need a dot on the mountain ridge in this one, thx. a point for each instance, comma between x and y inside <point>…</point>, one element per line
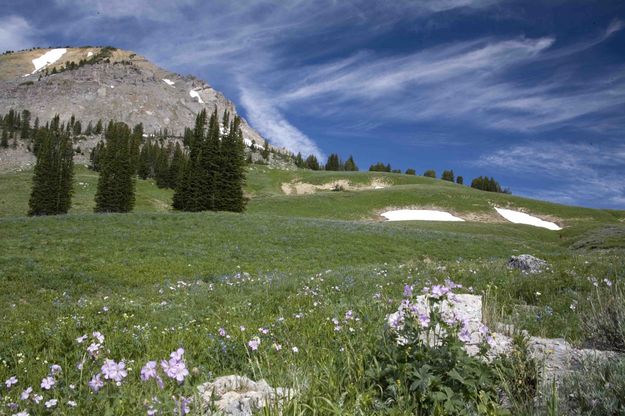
<point>107,83</point>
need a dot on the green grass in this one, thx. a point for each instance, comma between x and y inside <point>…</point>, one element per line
<point>317,255</point>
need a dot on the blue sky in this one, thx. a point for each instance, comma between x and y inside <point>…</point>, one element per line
<point>531,92</point>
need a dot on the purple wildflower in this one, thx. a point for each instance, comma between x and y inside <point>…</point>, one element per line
<point>465,335</point>
<point>254,343</point>
<point>26,393</point>
<point>182,405</point>
<point>424,320</point>
<point>82,339</point>
<point>408,290</point>
<point>97,335</point>
<point>55,369</point>
<point>149,370</point>
<point>222,332</point>
<point>395,320</point>
<point>177,355</point>
<point>51,403</point>
<point>10,382</point>
<point>114,371</point>
<point>175,369</point>
<point>37,398</point>
<point>47,383</point>
<point>96,383</point>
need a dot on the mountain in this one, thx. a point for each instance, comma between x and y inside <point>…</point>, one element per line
<point>106,83</point>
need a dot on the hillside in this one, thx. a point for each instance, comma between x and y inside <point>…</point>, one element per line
<point>110,84</point>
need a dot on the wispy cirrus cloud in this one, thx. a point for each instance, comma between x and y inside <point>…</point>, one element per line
<point>578,171</point>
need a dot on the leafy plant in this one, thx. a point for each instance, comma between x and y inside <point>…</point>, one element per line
<point>422,364</point>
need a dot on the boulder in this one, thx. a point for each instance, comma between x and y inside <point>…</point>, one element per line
<point>236,395</point>
<point>527,263</point>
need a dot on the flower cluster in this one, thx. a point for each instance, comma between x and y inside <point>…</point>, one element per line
<point>174,368</point>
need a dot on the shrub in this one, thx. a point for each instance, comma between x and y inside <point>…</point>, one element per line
<point>604,320</point>
<point>422,367</point>
<point>599,389</point>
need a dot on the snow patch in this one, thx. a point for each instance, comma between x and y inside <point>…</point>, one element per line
<point>89,54</point>
<point>195,94</point>
<point>518,217</point>
<point>48,58</point>
<point>419,215</point>
<point>247,142</point>
<point>169,82</point>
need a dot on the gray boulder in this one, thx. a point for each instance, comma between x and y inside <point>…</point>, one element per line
<point>239,396</point>
<point>527,263</point>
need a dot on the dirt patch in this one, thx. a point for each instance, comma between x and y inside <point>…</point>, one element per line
<point>303,188</point>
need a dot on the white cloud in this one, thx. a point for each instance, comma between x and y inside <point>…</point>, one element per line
<point>157,10</point>
<point>264,116</point>
<point>582,172</point>
<point>15,33</point>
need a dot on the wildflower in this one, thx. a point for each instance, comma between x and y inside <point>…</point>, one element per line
<point>254,343</point>
<point>222,332</point>
<point>295,349</point>
<point>264,331</point>
<point>51,403</point>
<point>22,413</point>
<point>538,293</point>
<point>424,320</point>
<point>608,282</point>
<point>10,382</point>
<point>71,403</point>
<point>177,355</point>
<point>483,329</point>
<point>47,383</point>
<point>276,346</point>
<point>395,320</point>
<point>148,371</point>
<point>93,349</point>
<point>96,383</point>
<point>82,339</point>
<point>37,398</point>
<point>439,291</point>
<point>97,335</point>
<point>465,335</point>
<point>114,371</point>
<point>408,290</point>
<point>242,328</point>
<point>491,341</point>
<point>182,406</point>
<point>55,369</point>
<point>573,305</point>
<point>175,369</point>
<point>26,393</point>
<point>349,315</point>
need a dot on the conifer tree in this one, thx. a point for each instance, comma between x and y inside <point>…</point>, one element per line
<point>448,175</point>
<point>333,163</point>
<point>4,142</point>
<point>176,168</point>
<point>232,177</point>
<point>410,171</point>
<point>460,180</point>
<point>53,173</point>
<point>312,162</point>
<point>116,185</point>
<point>430,173</point>
<point>350,165</point>
<point>299,161</point>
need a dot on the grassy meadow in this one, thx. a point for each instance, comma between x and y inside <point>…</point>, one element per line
<point>311,276</point>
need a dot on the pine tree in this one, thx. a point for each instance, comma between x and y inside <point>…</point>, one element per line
<point>176,168</point>
<point>98,127</point>
<point>312,162</point>
<point>350,165</point>
<point>299,161</point>
<point>430,173</point>
<point>448,175</point>
<point>410,171</point>
<point>460,180</point>
<point>265,152</point>
<point>333,163</point>
<point>116,185</point>
<point>232,177</point>
<point>53,174</point>
<point>25,125</point>
<point>4,142</point>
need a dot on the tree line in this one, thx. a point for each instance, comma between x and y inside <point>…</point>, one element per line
<point>208,174</point>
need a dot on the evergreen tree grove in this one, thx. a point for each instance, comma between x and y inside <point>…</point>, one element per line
<point>116,185</point>
<point>54,172</point>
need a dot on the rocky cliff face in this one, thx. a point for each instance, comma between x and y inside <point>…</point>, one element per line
<point>118,85</point>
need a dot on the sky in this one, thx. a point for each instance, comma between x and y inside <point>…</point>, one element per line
<point>529,92</point>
